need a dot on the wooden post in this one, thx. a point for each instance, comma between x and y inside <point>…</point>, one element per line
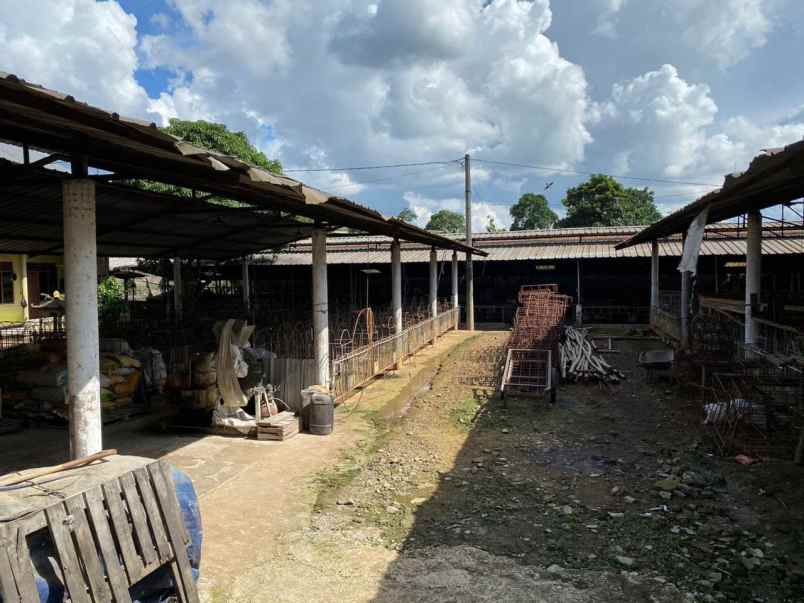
<point>654,277</point>
<point>455,287</point>
<point>178,296</point>
<point>578,303</point>
<point>753,274</point>
<point>434,289</point>
<point>246,288</point>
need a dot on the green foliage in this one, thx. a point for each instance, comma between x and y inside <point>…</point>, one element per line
<point>111,299</point>
<point>446,221</point>
<point>407,215</point>
<point>602,201</point>
<point>491,226</point>
<point>532,212</point>
<point>214,137</point>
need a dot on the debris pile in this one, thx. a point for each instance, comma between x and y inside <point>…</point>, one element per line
<point>580,359</point>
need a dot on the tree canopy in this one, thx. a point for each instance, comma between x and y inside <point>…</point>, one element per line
<point>446,221</point>
<point>217,137</point>
<point>531,212</point>
<point>407,215</point>
<point>602,201</point>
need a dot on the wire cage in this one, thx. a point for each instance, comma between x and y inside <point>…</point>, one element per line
<point>758,409</point>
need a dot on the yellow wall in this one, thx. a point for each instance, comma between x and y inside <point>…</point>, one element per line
<point>14,312</point>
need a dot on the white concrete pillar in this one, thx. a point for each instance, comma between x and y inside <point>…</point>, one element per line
<point>81,306</point>
<point>246,287</point>
<point>178,295</point>
<point>578,302</point>
<point>685,309</point>
<point>654,275</point>
<point>24,298</point>
<point>455,287</point>
<point>753,274</point>
<point>320,307</point>
<point>396,285</point>
<point>433,289</point>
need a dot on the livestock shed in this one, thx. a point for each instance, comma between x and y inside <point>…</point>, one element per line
<point>608,284</point>
<point>89,183</point>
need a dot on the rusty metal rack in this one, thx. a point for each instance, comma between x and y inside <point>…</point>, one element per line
<point>531,362</point>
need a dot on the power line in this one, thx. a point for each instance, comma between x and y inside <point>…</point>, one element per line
<point>579,173</point>
<point>373,167</point>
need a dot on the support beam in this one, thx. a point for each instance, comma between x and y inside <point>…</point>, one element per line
<point>396,298</point>
<point>178,295</point>
<point>753,274</point>
<point>246,287</point>
<point>26,302</point>
<point>470,282</point>
<point>320,307</point>
<point>455,287</point>
<point>81,305</point>
<point>654,275</point>
<point>433,288</point>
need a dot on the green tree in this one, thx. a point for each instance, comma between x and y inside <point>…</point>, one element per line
<point>111,298</point>
<point>532,212</point>
<point>491,226</point>
<point>446,221</point>
<point>602,201</point>
<point>407,215</point>
<point>214,137</point>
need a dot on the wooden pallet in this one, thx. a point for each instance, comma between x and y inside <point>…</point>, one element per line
<point>280,427</point>
<point>105,539</point>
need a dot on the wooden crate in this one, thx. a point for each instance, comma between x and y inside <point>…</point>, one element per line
<point>280,427</point>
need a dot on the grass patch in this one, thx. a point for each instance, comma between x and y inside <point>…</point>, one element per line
<point>466,412</point>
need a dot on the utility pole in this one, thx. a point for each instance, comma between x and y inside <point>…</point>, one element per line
<point>470,285</point>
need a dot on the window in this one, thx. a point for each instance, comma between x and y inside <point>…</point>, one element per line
<point>6,283</point>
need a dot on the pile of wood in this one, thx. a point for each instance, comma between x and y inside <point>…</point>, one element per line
<point>581,361</point>
<point>279,427</point>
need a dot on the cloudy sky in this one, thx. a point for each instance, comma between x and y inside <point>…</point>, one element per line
<point>678,92</point>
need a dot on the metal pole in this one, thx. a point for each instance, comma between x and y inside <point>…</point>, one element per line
<point>685,309</point>
<point>81,289</point>
<point>320,307</point>
<point>396,297</point>
<point>470,284</point>
<point>246,287</point>
<point>753,274</point>
<point>455,286</point>
<point>578,304</point>
<point>433,288</point>
<point>178,297</point>
<point>654,275</point>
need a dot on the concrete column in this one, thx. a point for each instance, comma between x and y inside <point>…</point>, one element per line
<point>246,287</point>
<point>685,310</point>
<point>320,307</point>
<point>81,306</point>
<point>433,289</point>
<point>178,295</point>
<point>396,285</point>
<point>455,286</point>
<point>753,274</point>
<point>654,275</point>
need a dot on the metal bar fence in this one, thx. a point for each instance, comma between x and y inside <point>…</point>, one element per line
<point>358,368</point>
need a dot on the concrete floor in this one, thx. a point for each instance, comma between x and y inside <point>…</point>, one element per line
<point>249,491</point>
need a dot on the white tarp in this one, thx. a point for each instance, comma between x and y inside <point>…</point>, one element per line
<point>692,244</point>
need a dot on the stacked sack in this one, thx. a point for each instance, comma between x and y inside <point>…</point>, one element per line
<point>120,378</point>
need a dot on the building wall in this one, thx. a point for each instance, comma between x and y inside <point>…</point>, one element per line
<point>17,311</point>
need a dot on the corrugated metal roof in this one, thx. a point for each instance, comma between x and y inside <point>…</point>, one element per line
<point>376,250</point>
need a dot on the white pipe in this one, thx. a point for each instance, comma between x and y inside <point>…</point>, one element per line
<point>753,273</point>
<point>396,285</point>
<point>320,307</point>
<point>433,283</point>
<point>470,280</point>
<point>81,306</point>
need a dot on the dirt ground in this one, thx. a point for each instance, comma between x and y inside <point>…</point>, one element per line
<point>434,489</point>
<point>610,495</point>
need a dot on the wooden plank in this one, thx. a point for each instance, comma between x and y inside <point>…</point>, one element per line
<point>88,550</point>
<point>154,517</point>
<point>166,497</point>
<point>137,512</point>
<point>8,583</point>
<point>23,569</point>
<point>57,523</point>
<point>122,529</point>
<point>102,529</point>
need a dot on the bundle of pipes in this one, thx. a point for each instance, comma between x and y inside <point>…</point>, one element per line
<point>580,360</point>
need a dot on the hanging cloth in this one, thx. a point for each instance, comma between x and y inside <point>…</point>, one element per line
<point>692,244</point>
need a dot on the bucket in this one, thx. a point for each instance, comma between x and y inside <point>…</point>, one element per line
<point>321,414</point>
